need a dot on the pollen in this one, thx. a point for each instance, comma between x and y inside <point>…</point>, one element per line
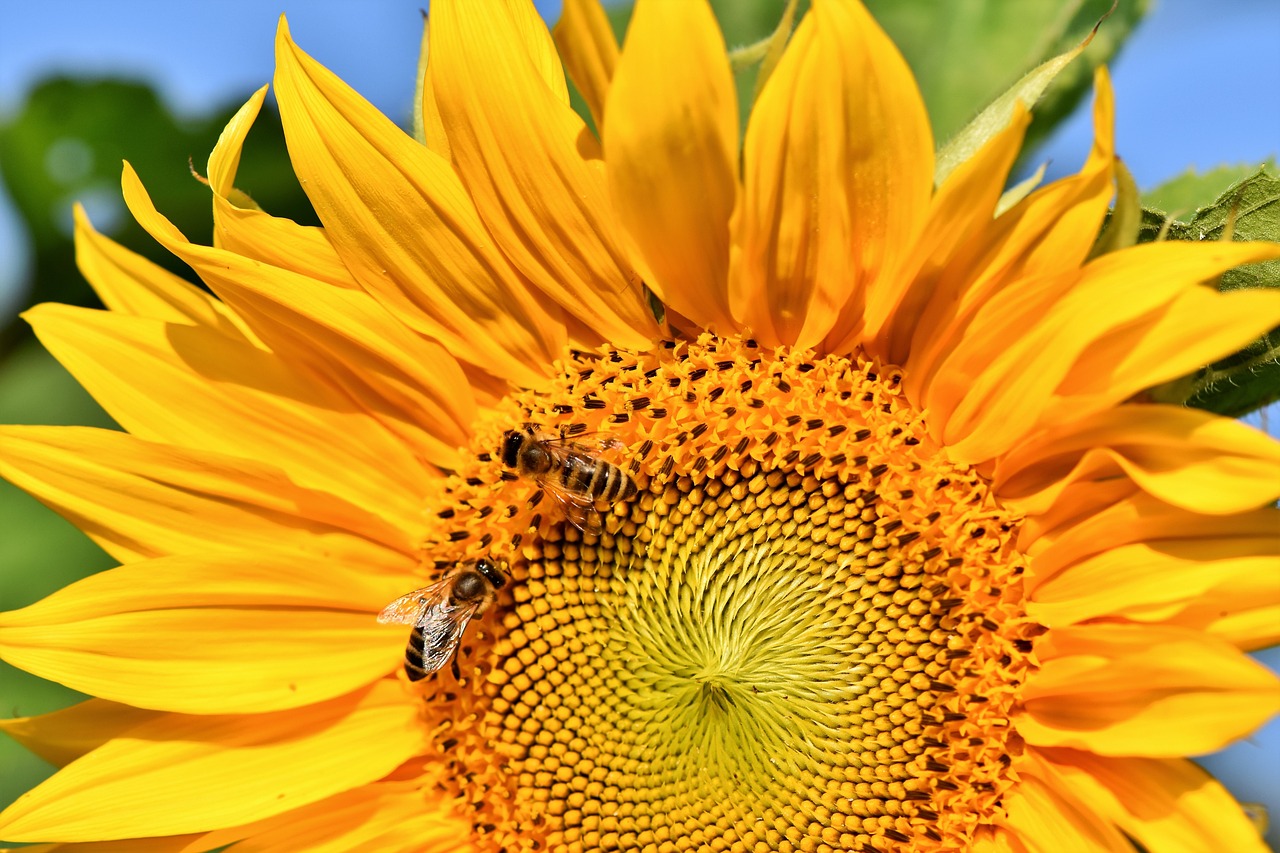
<point>803,633</point>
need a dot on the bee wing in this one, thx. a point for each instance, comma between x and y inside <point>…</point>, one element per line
<point>578,509</point>
<point>409,608</point>
<point>598,444</point>
<point>442,628</point>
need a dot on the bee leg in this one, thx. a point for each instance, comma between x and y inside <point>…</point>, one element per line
<point>453,666</point>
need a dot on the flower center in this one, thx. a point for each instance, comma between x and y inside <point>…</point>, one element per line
<point>803,632</point>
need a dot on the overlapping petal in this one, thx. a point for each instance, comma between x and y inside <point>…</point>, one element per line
<point>403,224</point>
<point>1048,232</point>
<point>1236,574</point>
<point>240,226</point>
<point>130,284</point>
<point>183,774</point>
<point>1195,329</point>
<point>1187,458</point>
<point>959,215</point>
<point>62,736</point>
<point>1163,804</point>
<point>334,335</point>
<point>1116,689</point>
<point>219,634</point>
<point>140,499</point>
<point>1091,524</point>
<point>1048,820</point>
<point>544,200</point>
<point>673,125</point>
<point>385,816</point>
<point>986,397</point>
<point>192,381</point>
<point>163,844</point>
<point>589,51</point>
<point>837,174</point>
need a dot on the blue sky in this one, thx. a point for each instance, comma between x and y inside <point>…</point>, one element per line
<point>1194,87</point>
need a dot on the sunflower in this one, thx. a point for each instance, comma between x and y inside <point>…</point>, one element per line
<point>910,565</point>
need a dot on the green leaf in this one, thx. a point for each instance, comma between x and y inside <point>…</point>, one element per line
<point>1182,196</point>
<point>997,115</point>
<point>1250,208</point>
<point>969,53</point>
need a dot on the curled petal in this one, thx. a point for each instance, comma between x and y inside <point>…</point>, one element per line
<point>1119,689</point>
<point>1187,458</point>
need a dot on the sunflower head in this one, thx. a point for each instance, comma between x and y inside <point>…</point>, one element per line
<point>773,493</point>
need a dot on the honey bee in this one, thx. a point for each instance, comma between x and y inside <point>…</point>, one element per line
<point>439,614</point>
<point>571,472</point>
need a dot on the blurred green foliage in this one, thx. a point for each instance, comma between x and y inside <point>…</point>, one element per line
<point>68,142</point>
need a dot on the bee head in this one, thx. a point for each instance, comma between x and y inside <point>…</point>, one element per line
<point>491,573</point>
<point>512,442</point>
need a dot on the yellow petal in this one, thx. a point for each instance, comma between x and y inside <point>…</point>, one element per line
<point>191,656</point>
<point>838,171</point>
<point>192,385</point>
<point>403,224</point>
<point>1165,580</point>
<point>1163,804</point>
<point>362,819</point>
<point>1051,821</point>
<point>63,736</point>
<point>959,213</point>
<point>1094,523</point>
<point>544,199</point>
<point>1198,327</point>
<point>1144,690</point>
<point>589,50</point>
<point>252,232</point>
<point>163,844</point>
<point>1248,619</point>
<point>139,499</point>
<point>1047,233</point>
<point>130,284</point>
<point>229,633</point>
<point>1185,457</point>
<point>998,839</point>
<point>529,35</point>
<point>412,385</point>
<point>671,146</point>
<point>183,774</point>
<point>225,159</point>
<point>427,111</point>
<point>990,395</point>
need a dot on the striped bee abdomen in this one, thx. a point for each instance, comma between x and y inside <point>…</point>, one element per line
<point>414,652</point>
